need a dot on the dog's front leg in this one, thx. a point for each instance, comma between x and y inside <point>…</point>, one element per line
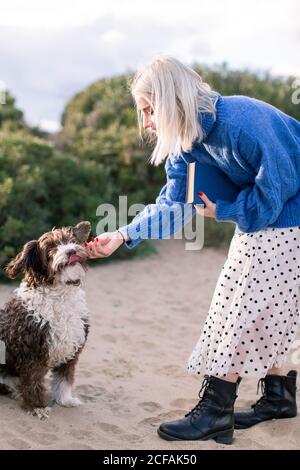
<point>33,392</point>
<point>62,383</point>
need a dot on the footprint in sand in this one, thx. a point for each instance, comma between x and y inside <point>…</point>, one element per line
<point>18,444</point>
<point>131,438</point>
<point>22,426</point>
<point>87,374</point>
<point>183,403</point>
<point>153,421</point>
<point>150,406</point>
<point>44,438</point>
<point>89,393</point>
<point>110,428</point>
<point>117,374</point>
<point>166,416</point>
<point>81,434</point>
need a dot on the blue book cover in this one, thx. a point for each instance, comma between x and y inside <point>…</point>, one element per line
<point>211,181</point>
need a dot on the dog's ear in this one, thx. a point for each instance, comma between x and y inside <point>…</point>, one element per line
<point>26,259</point>
<point>82,231</point>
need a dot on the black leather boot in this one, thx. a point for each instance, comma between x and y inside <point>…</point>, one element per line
<point>278,401</point>
<point>211,418</point>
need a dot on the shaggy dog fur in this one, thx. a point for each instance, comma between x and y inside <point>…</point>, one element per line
<point>45,324</point>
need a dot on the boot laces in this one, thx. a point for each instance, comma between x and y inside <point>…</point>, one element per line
<point>197,409</point>
<point>262,386</point>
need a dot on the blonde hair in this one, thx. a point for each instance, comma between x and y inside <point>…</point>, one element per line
<point>177,94</point>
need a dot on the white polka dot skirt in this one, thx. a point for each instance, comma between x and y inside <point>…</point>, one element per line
<point>254,312</point>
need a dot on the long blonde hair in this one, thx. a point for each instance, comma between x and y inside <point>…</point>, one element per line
<point>177,94</point>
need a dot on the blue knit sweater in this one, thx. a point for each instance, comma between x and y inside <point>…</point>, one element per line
<point>258,147</point>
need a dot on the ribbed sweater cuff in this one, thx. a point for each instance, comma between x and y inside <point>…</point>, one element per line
<point>130,243</point>
<point>226,211</point>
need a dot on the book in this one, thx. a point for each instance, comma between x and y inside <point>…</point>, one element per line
<point>211,181</point>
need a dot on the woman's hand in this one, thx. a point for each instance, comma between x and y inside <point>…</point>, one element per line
<point>104,245</point>
<point>209,210</point>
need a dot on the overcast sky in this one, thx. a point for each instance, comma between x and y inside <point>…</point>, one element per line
<point>51,49</point>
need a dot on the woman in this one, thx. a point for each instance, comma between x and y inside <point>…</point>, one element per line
<point>253,316</point>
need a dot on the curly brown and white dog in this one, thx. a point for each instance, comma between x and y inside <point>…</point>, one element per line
<point>44,325</point>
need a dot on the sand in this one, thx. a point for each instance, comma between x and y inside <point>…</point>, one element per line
<point>146,316</point>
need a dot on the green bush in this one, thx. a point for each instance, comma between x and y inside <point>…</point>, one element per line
<point>11,118</point>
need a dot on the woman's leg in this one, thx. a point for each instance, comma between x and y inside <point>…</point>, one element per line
<point>231,378</point>
<point>277,371</point>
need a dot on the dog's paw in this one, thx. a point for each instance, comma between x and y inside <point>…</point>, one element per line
<point>69,402</point>
<point>41,413</point>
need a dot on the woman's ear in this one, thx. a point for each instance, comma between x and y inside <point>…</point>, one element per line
<point>82,231</point>
<point>26,259</point>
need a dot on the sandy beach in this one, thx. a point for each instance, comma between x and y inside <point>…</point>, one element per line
<point>146,316</point>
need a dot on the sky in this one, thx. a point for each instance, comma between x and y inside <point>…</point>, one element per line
<point>52,49</point>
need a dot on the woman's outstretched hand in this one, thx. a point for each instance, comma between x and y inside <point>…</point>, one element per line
<point>209,210</point>
<point>104,245</point>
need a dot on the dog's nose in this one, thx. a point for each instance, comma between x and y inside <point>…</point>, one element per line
<point>71,252</point>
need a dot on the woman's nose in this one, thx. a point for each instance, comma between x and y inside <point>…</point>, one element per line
<point>146,122</point>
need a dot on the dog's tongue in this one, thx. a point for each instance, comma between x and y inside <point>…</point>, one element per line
<point>74,258</point>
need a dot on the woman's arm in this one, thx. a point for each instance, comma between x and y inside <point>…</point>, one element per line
<point>169,213</point>
<point>157,221</point>
<point>277,180</point>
